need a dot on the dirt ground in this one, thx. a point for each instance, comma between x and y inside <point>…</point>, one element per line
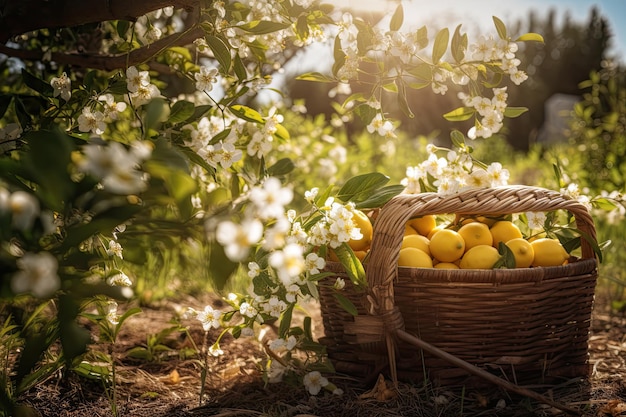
<point>171,386</point>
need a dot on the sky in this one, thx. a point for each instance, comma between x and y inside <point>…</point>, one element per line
<point>476,14</point>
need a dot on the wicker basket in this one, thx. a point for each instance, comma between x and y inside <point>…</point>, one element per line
<point>527,325</point>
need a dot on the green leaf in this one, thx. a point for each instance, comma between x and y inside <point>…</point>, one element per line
<point>507,258</point>
<point>604,204</point>
<point>282,167</point>
<point>261,27</point>
<point>351,264</point>
<point>36,84</point>
<point>530,37</point>
<point>346,304</point>
<point>458,46</point>
<point>122,27</point>
<point>23,115</point>
<point>380,197</point>
<point>357,188</point>
<point>460,114</point>
<point>421,38</point>
<point>5,101</point>
<point>513,112</point>
<point>220,51</point>
<point>403,101</point>
<point>118,87</point>
<point>240,68</point>
<point>495,81</point>
<point>338,55</point>
<point>500,28</point>
<point>365,112</point>
<point>558,174</point>
<point>441,44</point>
<point>285,322</point>
<point>282,132</point>
<point>90,371</point>
<point>302,26</point>
<point>220,267</point>
<point>181,111</point>
<point>392,87</point>
<point>247,113</point>
<point>422,71</point>
<point>458,139</point>
<point>32,352</point>
<point>315,76</point>
<point>157,112</point>
<point>104,222</point>
<point>397,19</point>
<point>49,159</point>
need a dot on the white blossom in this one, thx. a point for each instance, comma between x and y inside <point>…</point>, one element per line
<point>37,274</point>
<point>314,382</point>
<point>62,86</point>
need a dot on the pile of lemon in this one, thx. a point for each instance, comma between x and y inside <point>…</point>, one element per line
<point>471,245</point>
<point>474,245</point>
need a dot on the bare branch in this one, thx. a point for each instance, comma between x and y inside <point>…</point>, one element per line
<point>21,16</point>
<point>109,62</point>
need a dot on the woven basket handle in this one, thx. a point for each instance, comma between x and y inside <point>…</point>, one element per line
<point>390,224</point>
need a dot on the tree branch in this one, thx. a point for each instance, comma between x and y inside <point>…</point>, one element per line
<point>21,16</point>
<point>109,62</point>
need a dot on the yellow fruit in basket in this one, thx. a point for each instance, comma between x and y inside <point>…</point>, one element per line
<point>447,245</point>
<point>423,225</point>
<point>414,258</point>
<point>523,252</point>
<point>446,265</point>
<point>548,252</point>
<point>475,234</point>
<point>416,241</point>
<point>435,230</point>
<point>503,231</point>
<point>363,222</point>
<point>480,257</point>
<point>408,230</point>
<point>489,221</point>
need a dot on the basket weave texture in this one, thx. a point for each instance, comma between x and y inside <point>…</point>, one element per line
<point>527,325</point>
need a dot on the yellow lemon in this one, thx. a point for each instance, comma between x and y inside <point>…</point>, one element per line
<point>446,265</point>
<point>480,257</point>
<point>447,245</point>
<point>503,231</point>
<point>523,252</point>
<point>435,230</point>
<point>416,241</point>
<point>408,230</point>
<point>548,252</point>
<point>475,234</point>
<point>423,225</point>
<point>489,221</point>
<point>363,222</point>
<point>414,258</point>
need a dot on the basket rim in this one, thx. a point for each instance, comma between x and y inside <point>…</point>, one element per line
<point>487,276</point>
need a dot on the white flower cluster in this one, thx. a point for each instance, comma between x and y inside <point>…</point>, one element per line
<point>115,166</point>
<point>405,47</point>
<point>95,121</point>
<point>454,173</point>
<point>491,112</point>
<point>336,227</point>
<point>139,86</point>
